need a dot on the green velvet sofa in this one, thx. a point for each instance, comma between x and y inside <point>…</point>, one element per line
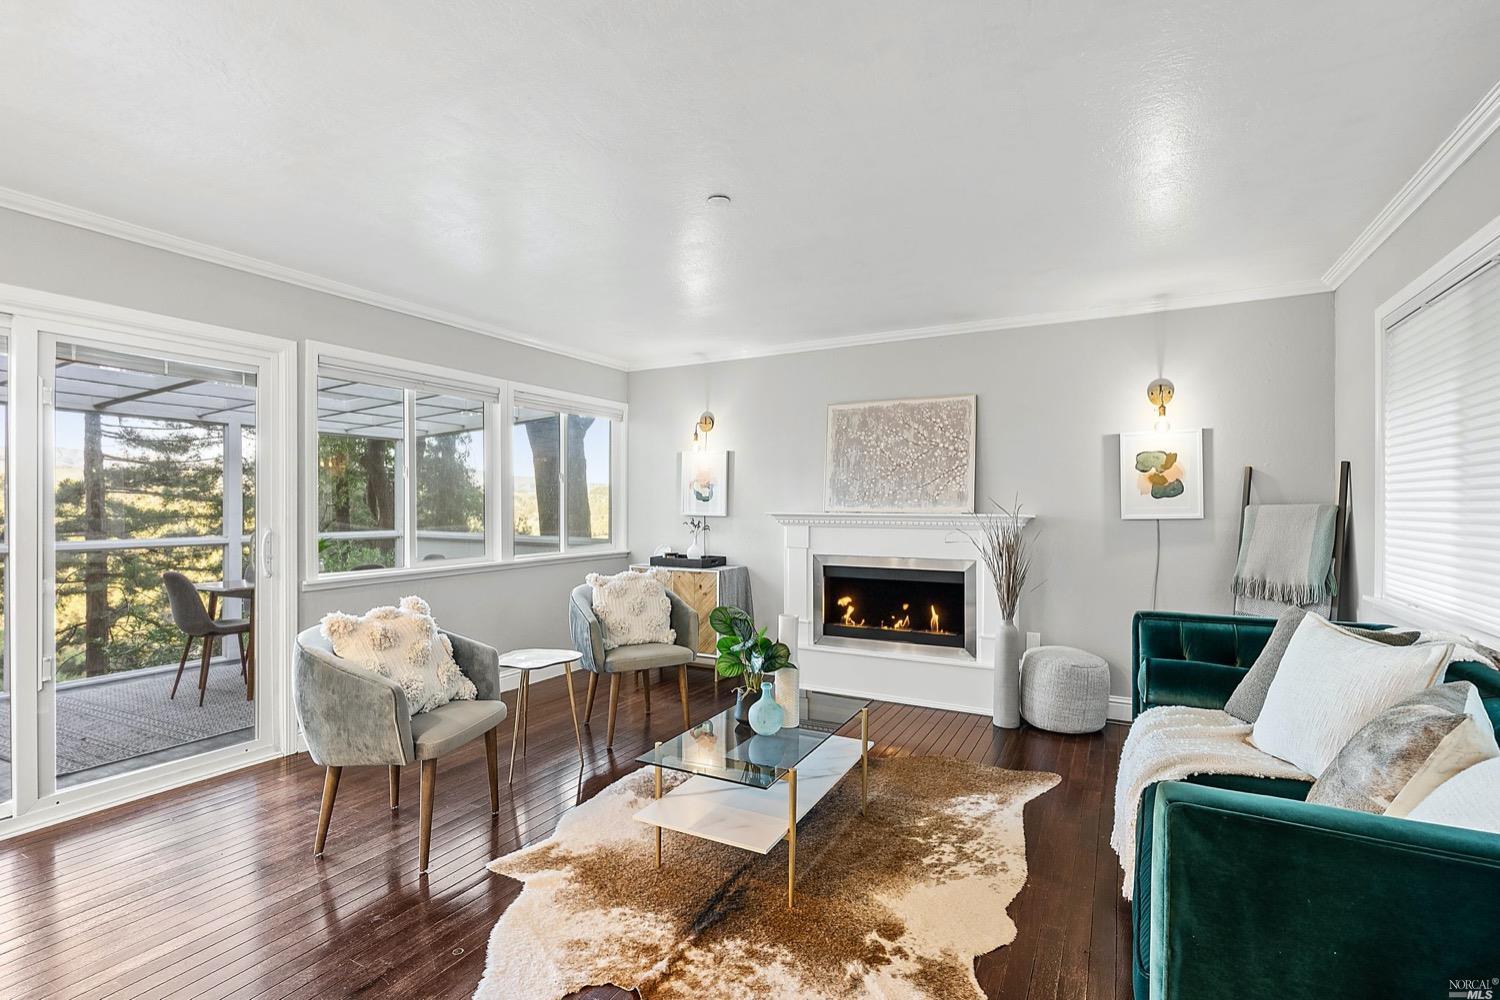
<point>1244,890</point>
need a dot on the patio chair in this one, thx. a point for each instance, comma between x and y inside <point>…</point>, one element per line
<point>352,716</point>
<point>193,619</point>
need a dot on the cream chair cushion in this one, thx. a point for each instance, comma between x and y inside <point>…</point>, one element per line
<point>404,644</point>
<point>632,607</point>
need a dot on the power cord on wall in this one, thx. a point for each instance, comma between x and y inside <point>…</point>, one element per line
<point>1156,572</point>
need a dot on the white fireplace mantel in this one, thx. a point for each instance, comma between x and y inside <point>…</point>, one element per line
<point>884,520</point>
<point>895,674</point>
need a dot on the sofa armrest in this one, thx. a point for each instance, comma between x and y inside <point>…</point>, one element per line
<point>684,622</point>
<point>480,664</point>
<point>350,716</point>
<point>1257,896</point>
<point>587,633</point>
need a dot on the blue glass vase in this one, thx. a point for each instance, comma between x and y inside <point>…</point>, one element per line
<point>765,714</point>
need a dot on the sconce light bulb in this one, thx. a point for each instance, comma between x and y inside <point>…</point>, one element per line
<point>1162,424</point>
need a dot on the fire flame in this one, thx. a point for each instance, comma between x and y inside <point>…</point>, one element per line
<point>903,623</point>
<point>895,623</point>
<point>847,603</point>
<point>932,623</point>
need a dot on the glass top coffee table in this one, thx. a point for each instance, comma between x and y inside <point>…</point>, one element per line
<point>748,790</point>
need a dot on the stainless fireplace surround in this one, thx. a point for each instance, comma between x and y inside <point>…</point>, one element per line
<point>966,566</point>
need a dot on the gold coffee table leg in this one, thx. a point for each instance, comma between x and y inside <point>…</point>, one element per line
<point>658,795</point>
<point>864,759</point>
<point>791,835</point>
<point>573,709</point>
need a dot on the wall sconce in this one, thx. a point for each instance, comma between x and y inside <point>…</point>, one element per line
<point>704,425</point>
<point>1160,394</point>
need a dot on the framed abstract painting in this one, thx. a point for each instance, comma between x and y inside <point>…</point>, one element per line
<point>704,483</point>
<point>1161,475</point>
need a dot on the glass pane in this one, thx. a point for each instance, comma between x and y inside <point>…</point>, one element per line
<point>588,480</point>
<point>731,751</point>
<point>142,453</point>
<point>450,477</point>
<point>6,755</point>
<point>360,431</point>
<point>536,471</point>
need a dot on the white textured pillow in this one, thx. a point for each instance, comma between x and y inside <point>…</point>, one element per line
<point>1330,683</point>
<point>404,644</point>
<point>1469,799</point>
<point>633,608</point>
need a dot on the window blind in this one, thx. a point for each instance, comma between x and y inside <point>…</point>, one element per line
<point>1441,430</point>
<point>541,399</point>
<point>371,374</point>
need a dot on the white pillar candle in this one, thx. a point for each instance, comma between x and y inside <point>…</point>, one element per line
<point>787,695</point>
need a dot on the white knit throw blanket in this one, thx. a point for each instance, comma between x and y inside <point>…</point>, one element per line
<point>1173,742</point>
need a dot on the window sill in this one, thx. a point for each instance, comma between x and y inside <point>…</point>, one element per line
<point>378,576</point>
<point>1410,616</point>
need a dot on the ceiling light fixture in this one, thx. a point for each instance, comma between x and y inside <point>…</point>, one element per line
<point>718,201</point>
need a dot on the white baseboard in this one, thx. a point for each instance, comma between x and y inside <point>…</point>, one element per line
<point>1119,708</point>
<point>916,702</point>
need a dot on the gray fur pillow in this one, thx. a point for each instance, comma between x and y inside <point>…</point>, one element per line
<point>1397,758</point>
<point>1249,696</point>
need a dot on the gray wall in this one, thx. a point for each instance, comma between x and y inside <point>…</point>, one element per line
<point>1463,205</point>
<point>507,607</point>
<point>1052,401</point>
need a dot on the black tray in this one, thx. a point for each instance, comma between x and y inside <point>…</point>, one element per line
<point>674,561</point>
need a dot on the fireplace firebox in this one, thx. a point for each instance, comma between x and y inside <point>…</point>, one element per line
<point>926,603</point>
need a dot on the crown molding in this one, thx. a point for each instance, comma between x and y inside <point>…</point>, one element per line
<point>45,208</point>
<point>1159,304</point>
<point>1478,125</point>
<point>875,519</point>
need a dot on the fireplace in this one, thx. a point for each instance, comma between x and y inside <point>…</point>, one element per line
<point>878,602</point>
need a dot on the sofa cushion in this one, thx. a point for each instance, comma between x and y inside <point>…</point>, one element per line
<point>404,644</point>
<point>1194,683</point>
<point>443,730</point>
<point>1405,752</point>
<point>1250,696</point>
<point>646,656</point>
<point>1330,683</point>
<point>1470,799</point>
<point>632,607</point>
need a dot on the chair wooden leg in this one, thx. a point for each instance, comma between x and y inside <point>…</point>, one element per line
<point>330,792</point>
<point>614,703</point>
<point>208,651</point>
<point>588,705</point>
<point>395,787</point>
<point>181,665</point>
<point>429,785</point>
<point>492,758</point>
<point>240,638</point>
<point>646,689</point>
<point>682,690</point>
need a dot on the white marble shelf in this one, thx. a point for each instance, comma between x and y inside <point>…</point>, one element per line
<point>744,816</point>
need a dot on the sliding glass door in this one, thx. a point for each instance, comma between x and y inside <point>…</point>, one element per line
<point>145,587</point>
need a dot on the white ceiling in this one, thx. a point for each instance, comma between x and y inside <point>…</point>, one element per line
<point>542,166</point>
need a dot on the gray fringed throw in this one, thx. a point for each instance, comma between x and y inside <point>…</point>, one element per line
<point>1286,553</point>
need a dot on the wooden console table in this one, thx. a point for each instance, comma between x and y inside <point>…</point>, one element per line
<point>705,589</point>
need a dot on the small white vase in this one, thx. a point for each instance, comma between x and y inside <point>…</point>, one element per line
<point>1009,645</point>
<point>695,551</point>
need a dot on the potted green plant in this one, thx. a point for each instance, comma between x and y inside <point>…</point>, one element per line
<point>744,651</point>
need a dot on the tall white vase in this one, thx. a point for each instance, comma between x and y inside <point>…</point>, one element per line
<point>1009,645</point>
<point>788,680</point>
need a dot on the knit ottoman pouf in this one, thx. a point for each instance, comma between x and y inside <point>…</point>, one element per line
<point>1064,690</point>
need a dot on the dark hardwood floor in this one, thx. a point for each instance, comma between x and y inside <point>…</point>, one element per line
<point>211,891</point>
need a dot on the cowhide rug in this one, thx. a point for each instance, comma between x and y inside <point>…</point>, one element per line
<point>893,904</point>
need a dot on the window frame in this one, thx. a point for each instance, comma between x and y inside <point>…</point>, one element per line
<point>499,502</point>
<point>1464,261</point>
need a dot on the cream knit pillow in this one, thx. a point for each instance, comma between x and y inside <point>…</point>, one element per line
<point>633,608</point>
<point>1330,683</point>
<point>404,644</point>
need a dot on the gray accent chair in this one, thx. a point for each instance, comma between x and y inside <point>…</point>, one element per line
<point>193,619</point>
<point>588,639</point>
<point>353,717</point>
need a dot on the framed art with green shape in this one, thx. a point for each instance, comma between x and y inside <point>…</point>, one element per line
<point>1161,475</point>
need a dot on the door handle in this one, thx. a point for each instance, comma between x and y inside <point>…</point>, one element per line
<point>265,553</point>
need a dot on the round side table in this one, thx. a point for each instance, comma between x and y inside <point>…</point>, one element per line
<point>524,661</point>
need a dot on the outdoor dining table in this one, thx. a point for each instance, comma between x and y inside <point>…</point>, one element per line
<point>243,590</point>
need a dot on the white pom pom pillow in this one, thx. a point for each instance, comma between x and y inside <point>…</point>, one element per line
<point>633,608</point>
<point>404,644</point>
